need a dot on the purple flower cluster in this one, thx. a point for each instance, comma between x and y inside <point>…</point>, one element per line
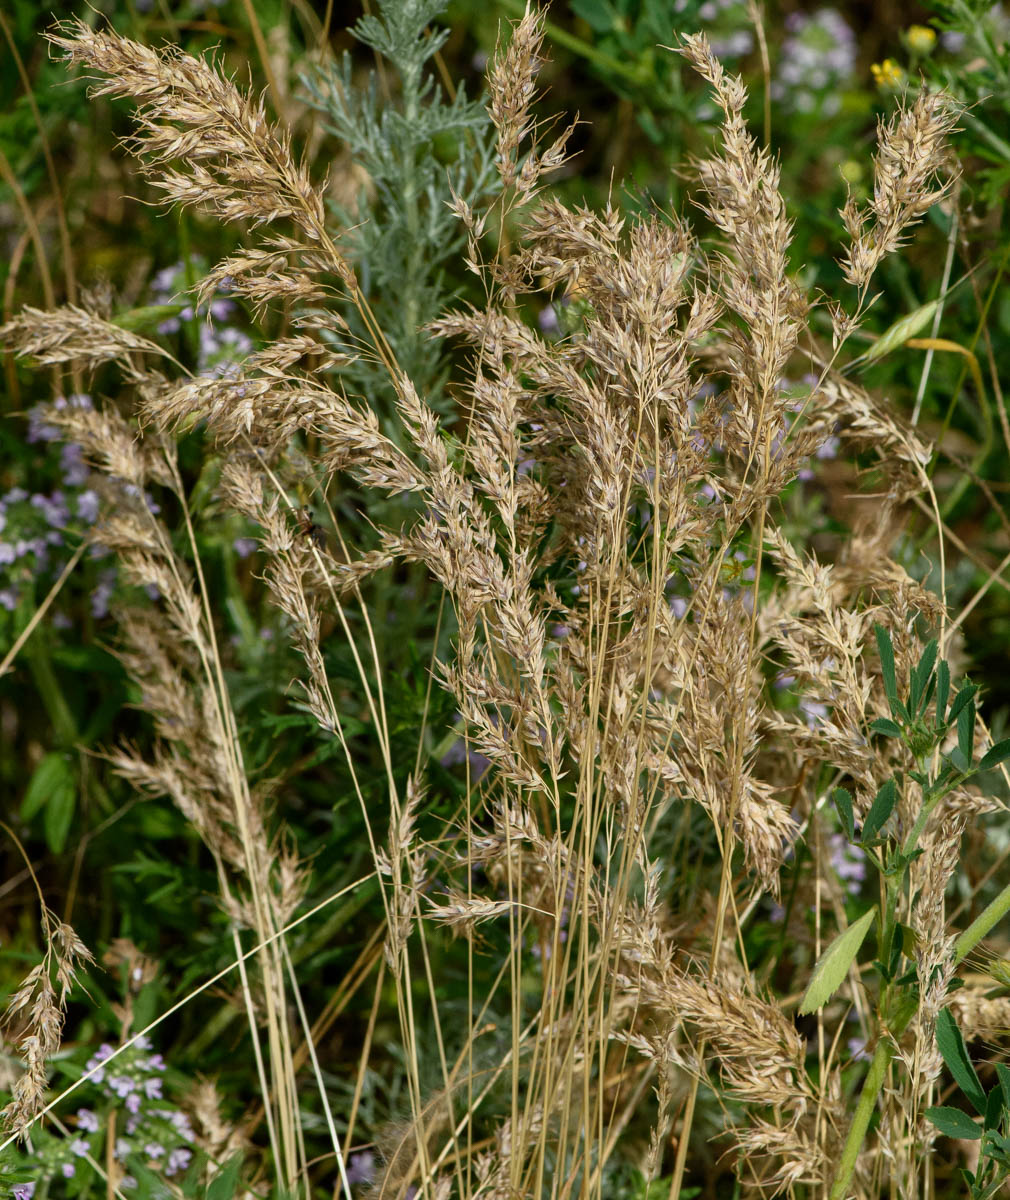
<point>134,1082</point>
<point>33,527</point>
<point>220,349</point>
<point>818,58</point>
<point>848,862</point>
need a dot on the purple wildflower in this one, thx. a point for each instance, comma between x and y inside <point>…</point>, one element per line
<point>361,1167</point>
<point>87,506</point>
<point>75,469</point>
<point>178,1160</point>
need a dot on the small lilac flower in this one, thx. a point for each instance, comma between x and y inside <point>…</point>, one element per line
<point>813,710</point>
<point>857,1048</point>
<point>244,546</point>
<point>15,495</point>
<point>143,1042</point>
<point>80,1147</point>
<point>849,866</point>
<point>8,599</point>
<point>164,280</point>
<point>87,506</point>
<point>123,1149</point>
<point>86,1119</point>
<point>460,752</point>
<point>180,1121</point>
<point>361,1167</point>
<point>156,1062</point>
<point>828,449</point>
<point>52,508</point>
<point>678,606</point>
<point>68,1170</point>
<point>75,469</point>
<point>38,430</point>
<point>102,594</point>
<point>122,1085</point>
<point>178,1160</point>
<point>7,553</point>
<point>23,1191</point>
<point>547,319</point>
<point>152,1088</point>
<point>133,1103</point>
<point>153,1150</point>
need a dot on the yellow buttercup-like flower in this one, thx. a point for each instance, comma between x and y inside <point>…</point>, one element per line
<point>888,74</point>
<point>920,39</point>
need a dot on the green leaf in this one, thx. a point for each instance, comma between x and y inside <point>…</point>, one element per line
<point>904,328</point>
<point>993,1108</point>
<point>959,761</point>
<point>53,788</point>
<point>843,802</point>
<point>885,726</point>
<point>59,817</point>
<point>886,651</point>
<point>920,675</point>
<point>223,1186</point>
<point>966,731</point>
<point>834,963</point>
<point>148,317</point>
<point>942,690</point>
<point>955,1055</point>
<point>995,755</point>
<point>50,772</point>
<point>601,18</point>
<point>954,1123</point>
<point>996,1146</point>
<point>1003,1071</point>
<point>964,696</point>
<point>881,808</point>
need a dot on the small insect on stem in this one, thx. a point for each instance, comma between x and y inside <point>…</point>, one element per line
<point>307,526</point>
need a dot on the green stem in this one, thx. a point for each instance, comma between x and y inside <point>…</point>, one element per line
<point>976,931</point>
<point>861,1117</point>
<point>983,923</point>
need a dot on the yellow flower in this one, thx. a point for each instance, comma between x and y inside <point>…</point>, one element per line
<point>920,39</point>
<point>888,74</point>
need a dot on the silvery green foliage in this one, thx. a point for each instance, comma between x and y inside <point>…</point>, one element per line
<point>417,148</point>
